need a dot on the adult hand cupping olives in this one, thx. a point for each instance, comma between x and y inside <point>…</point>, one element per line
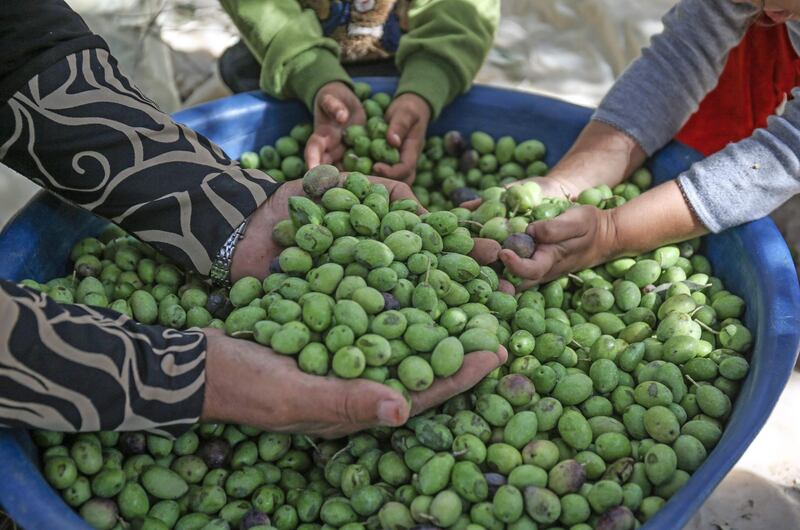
<point>255,252</point>
<point>249,384</point>
<point>408,118</point>
<point>335,108</point>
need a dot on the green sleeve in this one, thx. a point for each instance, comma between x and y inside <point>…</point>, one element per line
<point>297,60</point>
<point>446,44</point>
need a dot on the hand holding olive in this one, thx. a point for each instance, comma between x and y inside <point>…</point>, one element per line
<point>257,249</point>
<point>250,385</point>
<point>408,118</point>
<point>580,237</point>
<point>335,108</point>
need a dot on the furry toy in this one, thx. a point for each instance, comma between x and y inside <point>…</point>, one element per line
<point>366,30</point>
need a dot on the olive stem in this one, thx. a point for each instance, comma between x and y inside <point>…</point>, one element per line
<point>576,343</point>
<point>707,327</point>
<point>689,377</point>
<point>311,443</point>
<point>575,278</point>
<point>471,222</point>
<point>340,451</point>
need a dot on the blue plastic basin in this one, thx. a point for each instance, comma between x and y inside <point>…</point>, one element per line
<point>752,260</point>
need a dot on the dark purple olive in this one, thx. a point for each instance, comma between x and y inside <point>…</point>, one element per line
<point>390,302</point>
<point>275,266</point>
<point>468,160</point>
<point>566,477</point>
<point>495,480</point>
<point>616,518</point>
<point>522,245</point>
<point>462,195</point>
<point>253,518</point>
<point>132,443</point>
<point>215,453</point>
<point>454,143</point>
<point>516,389</point>
<point>219,305</point>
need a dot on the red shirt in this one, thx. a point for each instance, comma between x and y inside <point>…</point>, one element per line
<point>759,74</point>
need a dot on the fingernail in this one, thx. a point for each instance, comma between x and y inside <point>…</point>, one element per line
<point>390,412</point>
<point>396,138</point>
<point>502,354</point>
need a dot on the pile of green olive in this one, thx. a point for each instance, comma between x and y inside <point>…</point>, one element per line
<point>619,381</point>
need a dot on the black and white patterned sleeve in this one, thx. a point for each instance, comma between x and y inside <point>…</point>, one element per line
<point>82,130</point>
<point>73,368</point>
<point>73,123</point>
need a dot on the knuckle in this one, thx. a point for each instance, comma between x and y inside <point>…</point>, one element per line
<point>348,410</point>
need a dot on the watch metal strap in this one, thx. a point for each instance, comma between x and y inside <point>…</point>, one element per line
<point>220,273</point>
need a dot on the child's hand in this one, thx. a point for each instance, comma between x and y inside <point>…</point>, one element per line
<point>408,118</point>
<point>581,237</point>
<point>336,107</point>
<point>585,236</point>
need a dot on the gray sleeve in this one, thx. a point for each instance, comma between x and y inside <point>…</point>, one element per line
<point>656,95</point>
<point>750,178</point>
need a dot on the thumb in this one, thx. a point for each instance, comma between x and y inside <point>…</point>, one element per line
<point>362,402</point>
<point>572,223</point>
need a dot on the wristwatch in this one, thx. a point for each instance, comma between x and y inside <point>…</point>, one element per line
<point>220,273</point>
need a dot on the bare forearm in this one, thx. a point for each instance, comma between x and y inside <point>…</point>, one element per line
<point>600,155</point>
<point>659,217</point>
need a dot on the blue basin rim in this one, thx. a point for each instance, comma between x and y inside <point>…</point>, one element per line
<point>753,260</point>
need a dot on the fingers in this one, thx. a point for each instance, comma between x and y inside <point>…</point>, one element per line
<point>315,148</point>
<point>571,224</point>
<point>323,147</point>
<point>400,190</point>
<point>357,404</point>
<point>535,268</point>
<point>400,124</point>
<point>333,154</point>
<point>410,150</point>
<point>406,132</point>
<point>476,366</point>
<point>471,205</point>
<point>485,250</point>
<point>402,172</point>
<point>334,108</point>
